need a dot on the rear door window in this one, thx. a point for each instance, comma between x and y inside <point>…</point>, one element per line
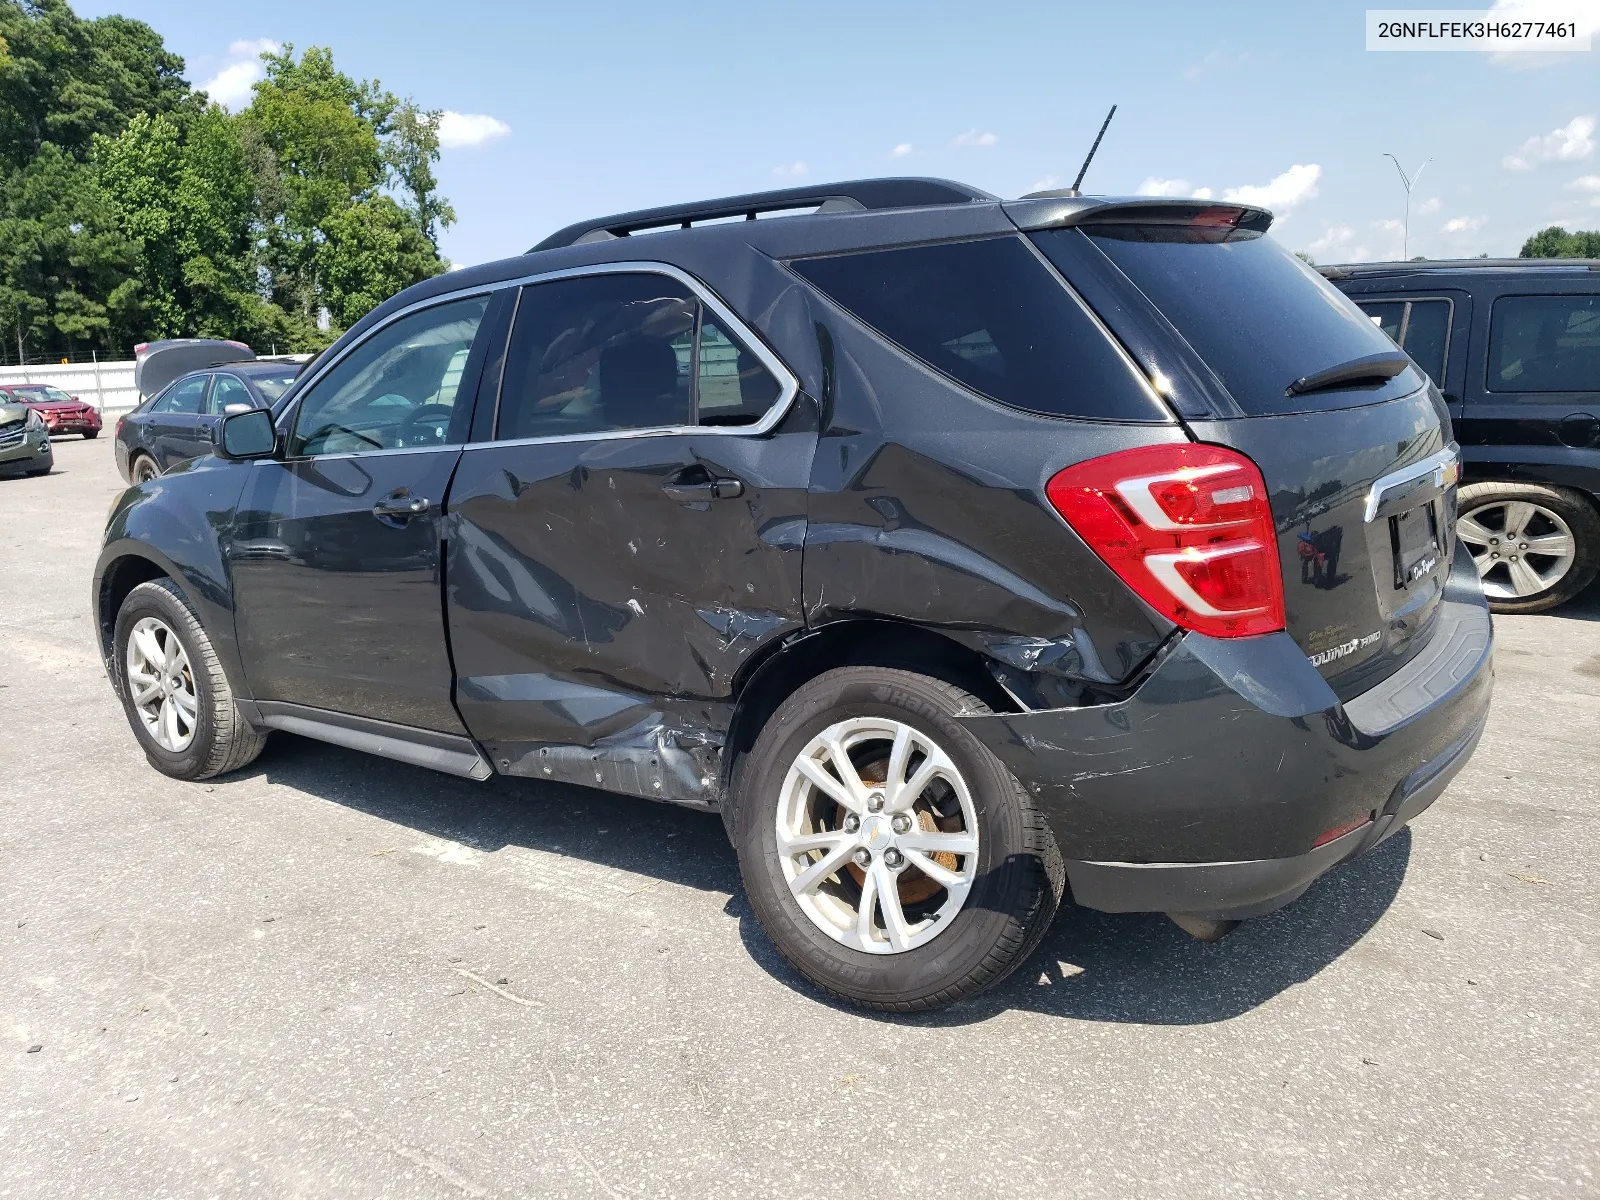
<point>993,317</point>
<point>1545,344</point>
<point>1258,316</point>
<point>185,396</point>
<point>1419,327</point>
<point>228,389</point>
<point>630,350</point>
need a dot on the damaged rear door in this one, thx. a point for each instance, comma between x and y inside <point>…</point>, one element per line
<point>630,535</point>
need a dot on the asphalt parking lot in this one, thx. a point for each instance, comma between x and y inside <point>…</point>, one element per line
<point>332,975</point>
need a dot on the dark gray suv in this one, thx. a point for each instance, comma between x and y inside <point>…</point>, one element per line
<point>956,551</point>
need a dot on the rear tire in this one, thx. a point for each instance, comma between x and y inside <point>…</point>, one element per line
<point>89,435</point>
<point>1504,525</point>
<point>177,700</point>
<point>143,469</point>
<point>947,940</point>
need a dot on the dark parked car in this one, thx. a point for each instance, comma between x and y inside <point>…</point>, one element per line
<point>24,440</point>
<point>1515,347</point>
<point>62,413</point>
<point>950,548</point>
<point>175,424</point>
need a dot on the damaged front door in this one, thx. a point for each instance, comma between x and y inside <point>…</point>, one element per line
<point>630,536</point>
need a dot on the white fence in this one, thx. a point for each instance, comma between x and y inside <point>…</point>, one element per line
<point>108,385</point>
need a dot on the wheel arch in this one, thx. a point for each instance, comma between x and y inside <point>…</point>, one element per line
<point>766,682</point>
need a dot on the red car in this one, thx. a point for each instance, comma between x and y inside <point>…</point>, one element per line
<point>62,413</point>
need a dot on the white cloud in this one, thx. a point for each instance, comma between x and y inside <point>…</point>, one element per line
<point>792,171</point>
<point>1171,187</point>
<point>231,86</point>
<point>973,137</point>
<point>1429,206</point>
<point>1048,184</point>
<point>1334,238</point>
<point>1572,142</point>
<point>1585,13</point>
<point>458,131</point>
<point>1283,192</point>
<point>1465,224</point>
<point>1590,184</point>
<point>901,150</point>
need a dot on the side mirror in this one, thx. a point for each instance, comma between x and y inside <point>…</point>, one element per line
<point>238,406</point>
<point>248,434</point>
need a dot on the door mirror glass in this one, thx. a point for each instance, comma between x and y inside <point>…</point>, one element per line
<point>247,434</point>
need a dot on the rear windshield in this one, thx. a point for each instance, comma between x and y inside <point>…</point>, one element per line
<point>1257,315</point>
<point>993,317</point>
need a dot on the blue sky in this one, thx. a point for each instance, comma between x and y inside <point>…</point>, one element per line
<point>563,111</point>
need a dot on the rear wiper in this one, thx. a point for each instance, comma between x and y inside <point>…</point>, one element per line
<point>1371,369</point>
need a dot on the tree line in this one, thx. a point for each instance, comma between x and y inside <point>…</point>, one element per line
<point>1556,242</point>
<point>133,208</point>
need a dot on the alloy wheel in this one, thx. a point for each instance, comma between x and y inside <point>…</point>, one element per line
<point>144,470</point>
<point>877,835</point>
<point>1520,548</point>
<point>162,684</point>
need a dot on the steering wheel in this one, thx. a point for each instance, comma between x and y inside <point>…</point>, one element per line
<point>438,415</point>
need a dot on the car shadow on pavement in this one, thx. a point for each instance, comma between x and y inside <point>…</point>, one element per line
<point>1140,968</point>
<point>1091,966</point>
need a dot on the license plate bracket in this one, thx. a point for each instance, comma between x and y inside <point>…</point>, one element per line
<point>1414,537</point>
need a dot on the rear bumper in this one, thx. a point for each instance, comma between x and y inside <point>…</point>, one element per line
<point>1206,791</point>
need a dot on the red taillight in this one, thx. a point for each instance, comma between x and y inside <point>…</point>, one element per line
<point>121,421</point>
<point>1187,527</point>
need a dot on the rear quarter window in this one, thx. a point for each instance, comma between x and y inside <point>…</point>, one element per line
<point>1545,344</point>
<point>993,317</point>
<point>1258,316</point>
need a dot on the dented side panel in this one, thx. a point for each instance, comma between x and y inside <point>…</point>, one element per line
<point>928,507</point>
<point>596,624</point>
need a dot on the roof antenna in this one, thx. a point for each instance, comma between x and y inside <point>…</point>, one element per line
<point>1076,183</point>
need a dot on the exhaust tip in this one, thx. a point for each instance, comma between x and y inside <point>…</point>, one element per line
<point>1203,929</point>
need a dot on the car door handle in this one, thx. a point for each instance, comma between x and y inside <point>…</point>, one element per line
<point>401,507</point>
<point>690,491</point>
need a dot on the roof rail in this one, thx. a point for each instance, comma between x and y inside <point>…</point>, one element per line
<point>1418,266</point>
<point>853,196</point>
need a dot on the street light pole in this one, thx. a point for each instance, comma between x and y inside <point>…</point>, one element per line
<point>1407,182</point>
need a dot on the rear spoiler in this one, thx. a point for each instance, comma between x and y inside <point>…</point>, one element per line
<point>1055,212</point>
<point>157,364</point>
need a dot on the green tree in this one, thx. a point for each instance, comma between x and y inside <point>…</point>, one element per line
<point>182,191</point>
<point>373,249</point>
<point>1556,242</point>
<point>327,146</point>
<point>68,277</point>
<point>132,208</point>
<point>66,79</point>
<point>410,150</point>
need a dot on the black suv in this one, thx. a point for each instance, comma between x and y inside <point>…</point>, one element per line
<point>955,550</point>
<point>1514,345</point>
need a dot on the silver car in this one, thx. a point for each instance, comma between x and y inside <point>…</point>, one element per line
<point>24,442</point>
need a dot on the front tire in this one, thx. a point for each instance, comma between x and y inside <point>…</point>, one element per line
<point>177,700</point>
<point>892,859</point>
<point>1535,546</point>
